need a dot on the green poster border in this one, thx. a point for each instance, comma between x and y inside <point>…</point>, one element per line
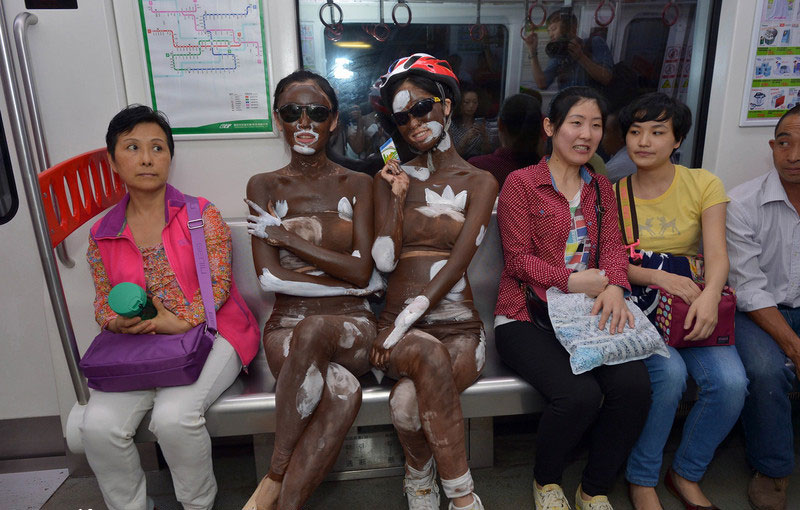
<point>247,126</point>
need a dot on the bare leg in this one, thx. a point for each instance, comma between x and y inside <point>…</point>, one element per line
<point>425,406</point>
<point>315,398</point>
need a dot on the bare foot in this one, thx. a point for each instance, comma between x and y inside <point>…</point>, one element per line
<point>690,491</point>
<point>265,496</point>
<point>644,498</point>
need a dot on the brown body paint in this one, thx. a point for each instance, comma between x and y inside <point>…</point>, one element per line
<point>433,225</point>
<point>315,346</point>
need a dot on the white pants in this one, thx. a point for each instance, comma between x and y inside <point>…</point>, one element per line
<point>178,422</point>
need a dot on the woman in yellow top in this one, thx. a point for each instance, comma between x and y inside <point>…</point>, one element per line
<point>677,208</point>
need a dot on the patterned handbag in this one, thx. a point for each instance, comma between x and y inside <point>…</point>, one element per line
<point>667,311</point>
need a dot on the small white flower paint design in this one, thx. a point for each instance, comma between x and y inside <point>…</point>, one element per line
<point>345,209</point>
<point>448,203</point>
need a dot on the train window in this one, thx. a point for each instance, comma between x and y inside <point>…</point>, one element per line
<point>623,49</point>
<point>9,202</point>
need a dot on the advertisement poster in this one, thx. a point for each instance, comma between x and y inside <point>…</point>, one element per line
<point>207,65</point>
<point>773,85</point>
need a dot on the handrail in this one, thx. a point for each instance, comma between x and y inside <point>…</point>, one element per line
<point>21,23</point>
<point>29,180</point>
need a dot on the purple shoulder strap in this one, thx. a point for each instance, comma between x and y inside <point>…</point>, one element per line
<point>195,225</point>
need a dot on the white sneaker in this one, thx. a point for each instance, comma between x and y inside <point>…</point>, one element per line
<point>596,503</point>
<point>476,505</point>
<point>550,497</point>
<point>422,494</point>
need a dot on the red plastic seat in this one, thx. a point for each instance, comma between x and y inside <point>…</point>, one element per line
<point>87,183</point>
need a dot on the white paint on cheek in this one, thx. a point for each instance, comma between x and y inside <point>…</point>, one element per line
<point>345,209</point>
<point>310,392</point>
<point>400,101</point>
<point>383,254</point>
<point>481,234</point>
<point>349,335</point>
<point>436,130</point>
<point>340,381</point>
<point>480,352</point>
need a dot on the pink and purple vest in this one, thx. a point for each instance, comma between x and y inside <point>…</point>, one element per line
<point>123,263</point>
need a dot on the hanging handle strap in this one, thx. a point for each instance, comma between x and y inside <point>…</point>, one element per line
<point>196,230</point>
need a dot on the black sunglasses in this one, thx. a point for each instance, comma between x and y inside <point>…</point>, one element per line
<point>420,109</point>
<point>291,112</point>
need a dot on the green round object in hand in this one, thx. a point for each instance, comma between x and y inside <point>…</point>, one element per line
<point>128,299</point>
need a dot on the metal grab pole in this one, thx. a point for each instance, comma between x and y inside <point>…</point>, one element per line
<point>21,23</point>
<point>31,185</point>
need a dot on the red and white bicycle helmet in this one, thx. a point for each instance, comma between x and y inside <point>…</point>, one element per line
<point>420,64</point>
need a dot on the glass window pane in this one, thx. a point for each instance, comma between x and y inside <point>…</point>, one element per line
<point>640,49</point>
<point>9,201</point>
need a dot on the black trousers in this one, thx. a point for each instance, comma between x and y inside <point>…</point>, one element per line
<point>610,403</point>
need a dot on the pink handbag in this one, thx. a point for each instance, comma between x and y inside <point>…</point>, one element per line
<point>671,313</point>
<point>125,362</point>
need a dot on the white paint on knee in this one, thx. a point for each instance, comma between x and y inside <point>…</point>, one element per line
<point>345,209</point>
<point>404,407</point>
<point>340,381</point>
<point>481,234</point>
<point>383,254</point>
<point>480,352</point>
<point>310,392</point>
<point>400,101</point>
<point>349,335</point>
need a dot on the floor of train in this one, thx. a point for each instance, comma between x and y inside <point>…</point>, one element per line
<point>507,485</point>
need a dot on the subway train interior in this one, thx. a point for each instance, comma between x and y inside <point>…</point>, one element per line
<point>68,66</point>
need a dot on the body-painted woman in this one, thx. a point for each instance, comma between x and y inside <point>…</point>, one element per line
<point>431,214</point>
<point>312,228</point>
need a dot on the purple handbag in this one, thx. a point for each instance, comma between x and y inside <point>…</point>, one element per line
<point>126,362</point>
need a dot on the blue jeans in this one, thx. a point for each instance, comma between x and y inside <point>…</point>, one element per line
<point>767,414</point>
<point>722,385</point>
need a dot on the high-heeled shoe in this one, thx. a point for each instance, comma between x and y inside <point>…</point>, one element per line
<point>251,503</point>
<point>669,482</point>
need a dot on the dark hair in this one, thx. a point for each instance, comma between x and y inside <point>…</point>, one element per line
<point>659,107</point>
<point>130,117</point>
<point>301,75</point>
<point>466,88</point>
<point>560,16</point>
<point>795,110</point>
<point>521,117</point>
<point>569,97</point>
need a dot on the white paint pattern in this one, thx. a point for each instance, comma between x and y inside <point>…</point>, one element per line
<point>481,235</point>
<point>340,381</point>
<point>436,130</point>
<point>383,254</point>
<point>448,203</point>
<point>307,227</point>
<point>480,352</point>
<point>417,172</point>
<point>445,144</point>
<point>460,285</point>
<point>302,147</point>
<point>271,283</point>
<point>404,406</point>
<point>345,209</point>
<point>405,319</point>
<point>349,335</point>
<point>309,393</point>
<point>401,100</point>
